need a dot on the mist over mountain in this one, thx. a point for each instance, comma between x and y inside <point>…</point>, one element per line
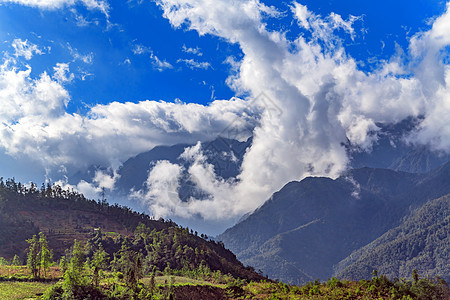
<point>307,227</point>
<point>221,159</point>
<point>393,150</point>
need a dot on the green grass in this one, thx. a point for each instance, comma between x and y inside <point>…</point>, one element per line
<point>22,290</point>
<point>178,280</point>
<point>21,272</point>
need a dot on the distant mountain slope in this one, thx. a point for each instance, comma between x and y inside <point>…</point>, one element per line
<point>421,242</point>
<point>224,154</point>
<point>309,226</point>
<point>390,151</point>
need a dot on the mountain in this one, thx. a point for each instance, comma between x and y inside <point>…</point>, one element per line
<point>224,154</point>
<point>421,242</point>
<point>392,151</point>
<point>307,227</point>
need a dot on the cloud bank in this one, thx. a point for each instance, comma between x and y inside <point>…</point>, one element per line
<point>311,100</point>
<point>34,122</point>
<point>325,101</point>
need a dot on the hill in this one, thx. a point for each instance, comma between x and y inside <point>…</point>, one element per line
<point>421,242</point>
<point>64,216</point>
<point>307,227</point>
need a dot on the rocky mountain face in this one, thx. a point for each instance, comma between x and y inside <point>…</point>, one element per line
<point>309,227</point>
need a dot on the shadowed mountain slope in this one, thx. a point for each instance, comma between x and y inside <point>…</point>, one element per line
<point>309,226</point>
<point>421,242</point>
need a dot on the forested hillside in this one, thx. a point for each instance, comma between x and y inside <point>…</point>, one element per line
<point>64,216</point>
<point>421,242</point>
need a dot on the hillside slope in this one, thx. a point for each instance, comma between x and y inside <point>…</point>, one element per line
<point>309,226</point>
<point>64,216</point>
<point>421,242</point>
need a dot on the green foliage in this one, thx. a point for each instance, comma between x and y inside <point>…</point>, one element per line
<point>3,261</point>
<point>419,243</point>
<point>45,253</point>
<point>98,263</point>
<point>33,257</point>
<point>63,264</point>
<point>16,261</point>
<point>17,290</point>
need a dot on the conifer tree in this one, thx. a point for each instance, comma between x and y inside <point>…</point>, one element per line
<point>33,257</point>
<point>99,262</point>
<point>45,253</point>
<point>16,260</point>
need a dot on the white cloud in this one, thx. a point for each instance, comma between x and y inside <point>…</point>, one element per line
<point>192,64</point>
<point>100,5</point>
<point>34,122</point>
<point>76,56</point>
<point>162,195</point>
<point>25,49</point>
<point>324,99</point>
<point>62,73</point>
<point>195,51</point>
<point>158,64</point>
<point>314,98</point>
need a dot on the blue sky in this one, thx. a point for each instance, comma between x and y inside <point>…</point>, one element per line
<point>76,75</point>
<point>115,73</point>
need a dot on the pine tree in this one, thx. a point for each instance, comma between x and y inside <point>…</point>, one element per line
<point>16,261</point>
<point>77,261</point>
<point>45,253</point>
<point>99,262</point>
<point>33,257</point>
<point>63,264</point>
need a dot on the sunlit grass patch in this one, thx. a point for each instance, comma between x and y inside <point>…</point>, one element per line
<point>12,290</point>
<point>21,272</point>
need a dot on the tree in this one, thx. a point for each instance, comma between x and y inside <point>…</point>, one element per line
<point>16,261</point>
<point>99,262</point>
<point>63,264</point>
<point>3,261</point>
<point>76,263</point>
<point>33,257</point>
<point>45,253</point>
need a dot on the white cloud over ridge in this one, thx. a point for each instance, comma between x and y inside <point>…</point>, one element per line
<point>315,97</point>
<point>34,122</point>
<point>325,99</point>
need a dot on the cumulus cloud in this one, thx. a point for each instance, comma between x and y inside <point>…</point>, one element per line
<point>324,100</point>
<point>34,122</point>
<point>62,73</point>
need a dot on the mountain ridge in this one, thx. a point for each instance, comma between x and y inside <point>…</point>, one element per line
<point>332,219</point>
